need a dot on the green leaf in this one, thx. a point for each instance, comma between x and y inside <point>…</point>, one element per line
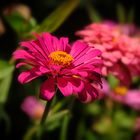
<point>4,87</point>
<point>52,22</point>
<point>19,23</point>
<point>57,116</point>
<point>90,136</point>
<point>5,68</point>
<point>53,126</point>
<point>6,73</point>
<point>130,17</point>
<point>93,14</point>
<point>124,120</point>
<point>93,109</point>
<point>81,128</point>
<point>54,120</point>
<point>103,126</point>
<point>113,81</point>
<point>30,133</point>
<point>121,14</point>
<point>64,128</point>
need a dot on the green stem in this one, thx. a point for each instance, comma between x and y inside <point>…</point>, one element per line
<point>65,123</point>
<point>46,112</point>
<point>30,132</point>
<point>43,120</point>
<point>64,128</point>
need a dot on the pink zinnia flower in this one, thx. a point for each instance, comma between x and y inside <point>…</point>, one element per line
<point>120,53</point>
<point>128,29</point>
<point>122,94</point>
<point>33,108</point>
<point>73,69</point>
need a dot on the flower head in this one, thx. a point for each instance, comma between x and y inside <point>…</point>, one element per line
<point>128,29</point>
<point>122,94</point>
<point>120,53</point>
<point>32,107</point>
<point>73,69</point>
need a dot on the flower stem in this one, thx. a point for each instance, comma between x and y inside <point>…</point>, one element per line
<point>64,128</point>
<point>43,120</point>
<point>65,123</point>
<point>46,112</point>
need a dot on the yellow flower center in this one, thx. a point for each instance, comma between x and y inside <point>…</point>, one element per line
<point>61,58</point>
<point>121,90</point>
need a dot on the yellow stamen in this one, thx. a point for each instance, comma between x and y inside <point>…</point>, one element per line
<point>61,58</point>
<point>75,76</point>
<point>121,90</point>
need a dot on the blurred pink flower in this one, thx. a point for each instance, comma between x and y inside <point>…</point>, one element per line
<point>120,53</point>
<point>133,99</point>
<point>32,107</point>
<point>128,29</point>
<point>73,69</point>
<point>130,97</point>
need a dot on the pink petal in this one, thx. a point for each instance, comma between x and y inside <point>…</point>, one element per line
<point>91,91</point>
<point>56,44</point>
<point>41,49</point>
<point>77,84</point>
<point>82,96</point>
<point>79,49</point>
<point>22,54</point>
<point>88,57</point>
<point>132,99</point>
<point>44,70</point>
<point>106,88</point>
<point>21,64</point>
<point>48,41</point>
<point>64,44</point>
<point>29,75</point>
<point>89,94</point>
<point>28,45</point>
<point>47,89</point>
<point>41,42</point>
<point>93,65</point>
<point>65,86</point>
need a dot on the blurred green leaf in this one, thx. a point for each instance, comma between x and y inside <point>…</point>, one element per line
<point>124,135</point>
<point>93,109</point>
<point>54,120</point>
<point>52,22</point>
<point>130,17</point>
<point>103,126</point>
<point>6,73</point>
<point>80,130</point>
<point>90,136</point>
<point>30,133</point>
<point>121,13</point>
<point>123,120</point>
<point>4,87</point>
<point>113,81</point>
<point>64,128</point>
<point>93,14</point>
<point>5,68</point>
<point>19,23</point>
